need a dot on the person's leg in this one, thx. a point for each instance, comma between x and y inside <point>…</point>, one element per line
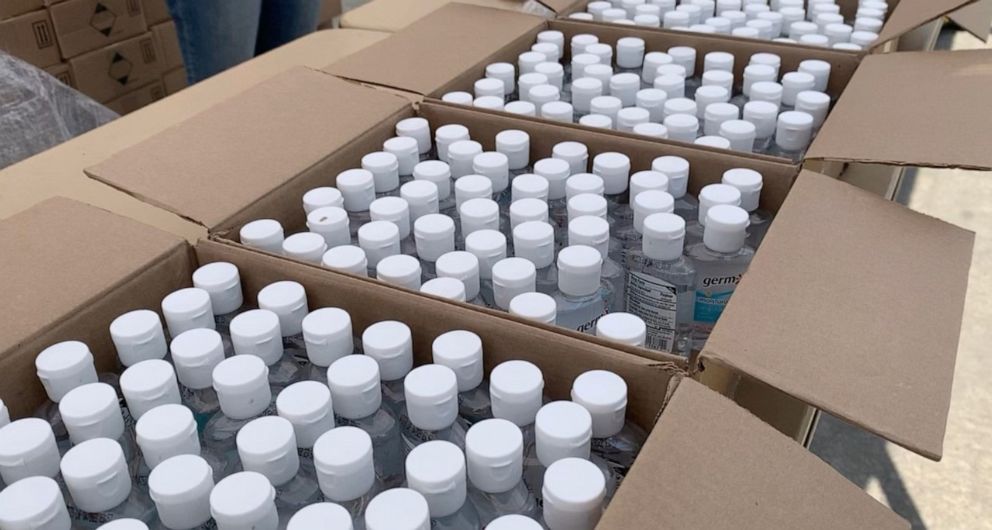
<point>215,34</point>
<point>283,21</point>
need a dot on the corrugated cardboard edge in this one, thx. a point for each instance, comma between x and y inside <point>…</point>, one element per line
<point>911,14</point>
<point>975,18</point>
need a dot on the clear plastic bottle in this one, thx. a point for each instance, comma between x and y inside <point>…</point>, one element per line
<point>434,235</point>
<point>446,135</point>
<point>436,470</point>
<point>34,502</point>
<point>749,183</point>
<point>574,495</point>
<point>661,284</point>
<point>506,74</point>
<point>357,186</point>
<point>195,354</point>
<point>463,266</point>
<point>332,224</point>
<point>516,389</point>
<point>685,57</point>
<point>187,309</point>
<point>604,395</point>
<point>581,297</point>
<point>346,470</point>
<point>494,450</point>
<point>614,169</point>
<point>93,411</point>
<point>538,307</point>
<point>257,332</point>
<point>407,153</point>
<point>401,270</point>
<point>792,135</point>
<point>489,246</point>
<point>390,344</point>
<point>168,431</point>
<point>720,261</point>
<point>512,277</point>
<point>421,197</point>
<point>515,144</point>
<point>96,474</point>
<point>379,239</point>
<point>677,170</point>
<point>180,488</point>
<point>710,196</point>
<point>357,401</point>
<point>431,407</point>
<point>305,246</point>
<point>556,171</point>
<point>263,234</point>
<point>643,204</point>
<point>460,156</point>
<point>494,166</point>
<point>222,281</point>
<point>327,333</point>
<point>138,336</point>
<point>322,197</point>
<point>244,393</point>
<point>244,500</point>
<point>322,515</point>
<point>267,445</point>
<point>595,232</point>
<point>385,169</point>
<point>28,448</point>
<point>461,351</point>
<point>535,242</point>
<point>288,300</point>
<point>396,210</point>
<point>438,173</point>
<point>307,406</point>
<point>419,129</point>
<point>398,509</point>
<point>62,367</point>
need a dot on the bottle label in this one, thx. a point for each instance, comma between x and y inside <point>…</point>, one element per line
<point>710,304</point>
<point>656,302</point>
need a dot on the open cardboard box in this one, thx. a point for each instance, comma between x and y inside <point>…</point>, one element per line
<point>829,312</point>
<point>394,15</point>
<point>707,464</point>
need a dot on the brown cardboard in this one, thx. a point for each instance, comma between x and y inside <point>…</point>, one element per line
<point>915,109</point>
<point>394,15</point>
<point>974,18</point>
<point>175,80</point>
<point>318,112</point>
<point>12,8</point>
<point>61,72</point>
<point>911,14</point>
<point>328,10</point>
<point>137,99</point>
<point>85,25</point>
<point>120,68</point>
<point>156,11</point>
<point>30,38</point>
<point>168,42</point>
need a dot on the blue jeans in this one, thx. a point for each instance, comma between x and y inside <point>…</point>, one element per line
<point>217,34</point>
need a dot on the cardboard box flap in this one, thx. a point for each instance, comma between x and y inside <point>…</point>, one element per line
<point>911,14</point>
<point>562,6</point>
<point>853,305</point>
<point>974,18</point>
<point>914,109</point>
<point>421,58</point>
<point>711,465</point>
<point>211,166</point>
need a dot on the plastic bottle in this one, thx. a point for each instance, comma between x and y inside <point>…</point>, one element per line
<point>379,239</point>
<point>749,183</point>
<point>347,258</point>
<point>397,211</point>
<point>98,479</point>
<point>574,492</point>
<point>244,393</point>
<point>710,196</point>
<point>267,446</point>
<point>581,297</point>
<point>93,411</point>
<point>390,344</point>
<point>385,172</point>
<point>244,500</point>
<point>305,246</point>
<point>419,129</point>
<point>516,389</point>
<point>461,351</point>
<point>436,470</point>
<point>28,448</point>
<point>321,515</point>
<point>535,242</point>
<point>346,470</point>
<point>307,406</point>
<point>180,488</point>
<point>494,450</point>
<point>432,407</point>
<point>34,502</point>
<point>422,198</point>
<point>327,333</point>
<point>538,307</point>
<point>357,186</point>
<point>288,300</point>
<point>258,332</point>
<point>62,367</point>
<point>195,354</point>
<point>264,234</point>
<point>435,236</point>
<point>438,173</point>
<point>171,430</point>
<point>398,509</point>
<point>463,266</point>
<point>615,440</point>
<point>138,336</point>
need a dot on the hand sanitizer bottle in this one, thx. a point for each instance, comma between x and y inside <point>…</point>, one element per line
<point>615,440</point>
<point>398,509</point>
<point>463,266</point>
<point>305,246</point>
<point>595,232</point>
<point>792,135</point>
<point>170,430</point>
<point>93,411</point>
<point>436,470</point>
<point>138,336</point>
<point>257,332</point>
<point>187,309</point>
<point>244,500</point>
<point>397,211</point>
<point>28,448</point>
<point>147,385</point>
<point>62,367</point>
<point>357,187</point>
<point>328,335</point>
<point>517,392</point>
<point>495,452</point>
<point>535,242</point>
<point>407,153</point>
<point>460,157</point>
<point>180,488</point>
<point>432,407</point>
<point>581,296</point>
<point>418,129</point>
<point>749,182</point>
<point>195,354</point>
<point>489,246</point>
<point>574,495</point>
<point>556,171</point>
<point>440,174</point>
<point>34,502</point>
<point>379,239</point>
<point>515,144</point>
<point>263,234</point>
<point>322,197</point>
<point>307,407</point>
<point>661,284</point>
<point>421,196</point>
<point>625,328</point>
<point>677,170</point>
<point>643,204</point>
<point>435,236</point>
<point>346,258</point>
<point>222,282</point>
<point>710,196</point>
<point>357,399</point>
<point>96,474</point>
<point>390,344</point>
<point>242,385</point>
<point>288,300</point>
<point>346,471</point>
<point>512,277</point>
<point>322,515</point>
<point>495,166</point>
<point>385,169</point>
<point>461,351</point>
<point>721,260</point>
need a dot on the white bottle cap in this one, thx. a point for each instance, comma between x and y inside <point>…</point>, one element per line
<point>562,429</point>
<point>815,39</point>
<point>435,235</point>
<point>763,115</point>
<point>461,351</point>
<point>624,86</point>
<point>138,335</point>
<point>766,29</point>
<point>357,186</point>
<point>793,83</point>
<point>460,156</point>
<point>648,20</point>
<point>541,94</point>
<point>707,95</point>
<point>754,73</point>
<point>457,97</point>
<point>716,114</point>
<point>33,503</point>
<point>321,515</point>
<point>664,236</point>
<point>446,135</point>
<point>504,72</point>
<point>436,172</point>
<point>726,228</point>
<point>398,509</point>
<point>64,366</point>
<point>242,385</point>
<point>794,130</point>
<point>307,406</point>
<point>575,153</point>
<point>489,86</point>
<point>328,335</point>
<point>720,24</point>
<point>448,288</point>
<point>28,448</point>
<point>306,246</point>
<point>622,327</point>
<point>96,474</point>
<point>753,9</point>
<point>514,522</point>
<point>390,343</point>
<point>379,239</point>
<point>606,105</point>
<point>776,19</point>
<point>579,64</point>
<point>748,182</point>
<point>512,277</point>
<point>554,71</point>
<point>647,180</point>
<point>554,37</point>
<point>344,463</point>
<point>676,19</point>
<point>719,78</point>
<point>495,166</point>
<point>736,17</point>
<point>418,129</point>
<point>472,187</point>
<point>652,60</point>
<point>718,61</point>
<point>264,234</point>
<point>195,353</point>
<point>684,56</point>
<point>630,117</point>
<point>579,269</point>
<point>864,38</point>
<point>596,121</point>
<point>580,183</point>
<point>488,102</point>
<point>534,306</point>
<point>354,384</point>
<point>814,103</point>
<point>244,500</point>
<point>431,393</point>
<point>590,231</point>
<point>515,144</point>
<point>820,70</point>
<point>288,300</point>
<point>630,52</point>
<point>839,32</point>
<point>436,470</point>
<point>180,488</point>
<point>573,493</point>
<point>529,186</point>
<point>462,266</point>
<point>672,85</point>
<point>188,309</point>
<point>826,18</point>
<point>650,202</point>
<point>767,59</point>
<point>867,24</point>
<point>399,269</point>
<point>92,411</point>
<point>148,384</point>
<point>535,242</point>
<point>528,81</point>
<point>332,224</point>
<point>267,445</point>
<point>677,170</point>
<point>556,171</point>
<point>716,194</point>
<point>587,204</point>
<point>525,210</point>
<point>385,170</point>
<point>746,32</point>
<point>680,106</point>
<point>393,209</point>
<point>614,169</point>
<point>740,133</point>
<point>494,450</point>
<point>166,431</point>
<point>682,127</point>
<point>790,15</point>
<point>528,60</point>
<point>478,214</point>
<point>652,100</point>
<point>406,150</point>
<point>346,258</point>
<point>800,28</point>
<point>223,283</point>
<point>767,91</point>
<point>517,391</point>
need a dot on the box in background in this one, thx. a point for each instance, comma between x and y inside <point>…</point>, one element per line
<point>168,43</point>
<point>394,15</point>
<point>62,72</point>
<point>85,25</point>
<point>174,80</point>
<point>30,38</point>
<point>156,11</point>
<point>118,69</point>
<point>12,8</point>
<point>329,9</point>
<point>136,99</point>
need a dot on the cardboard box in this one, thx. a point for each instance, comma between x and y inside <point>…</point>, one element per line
<point>12,8</point>
<point>156,11</point>
<point>175,80</point>
<point>120,68</point>
<point>85,25</point>
<point>30,38</point>
<point>854,269</point>
<point>137,99</point>
<point>62,73</point>
<point>394,15</point>
<point>168,42</point>
<point>329,9</point>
